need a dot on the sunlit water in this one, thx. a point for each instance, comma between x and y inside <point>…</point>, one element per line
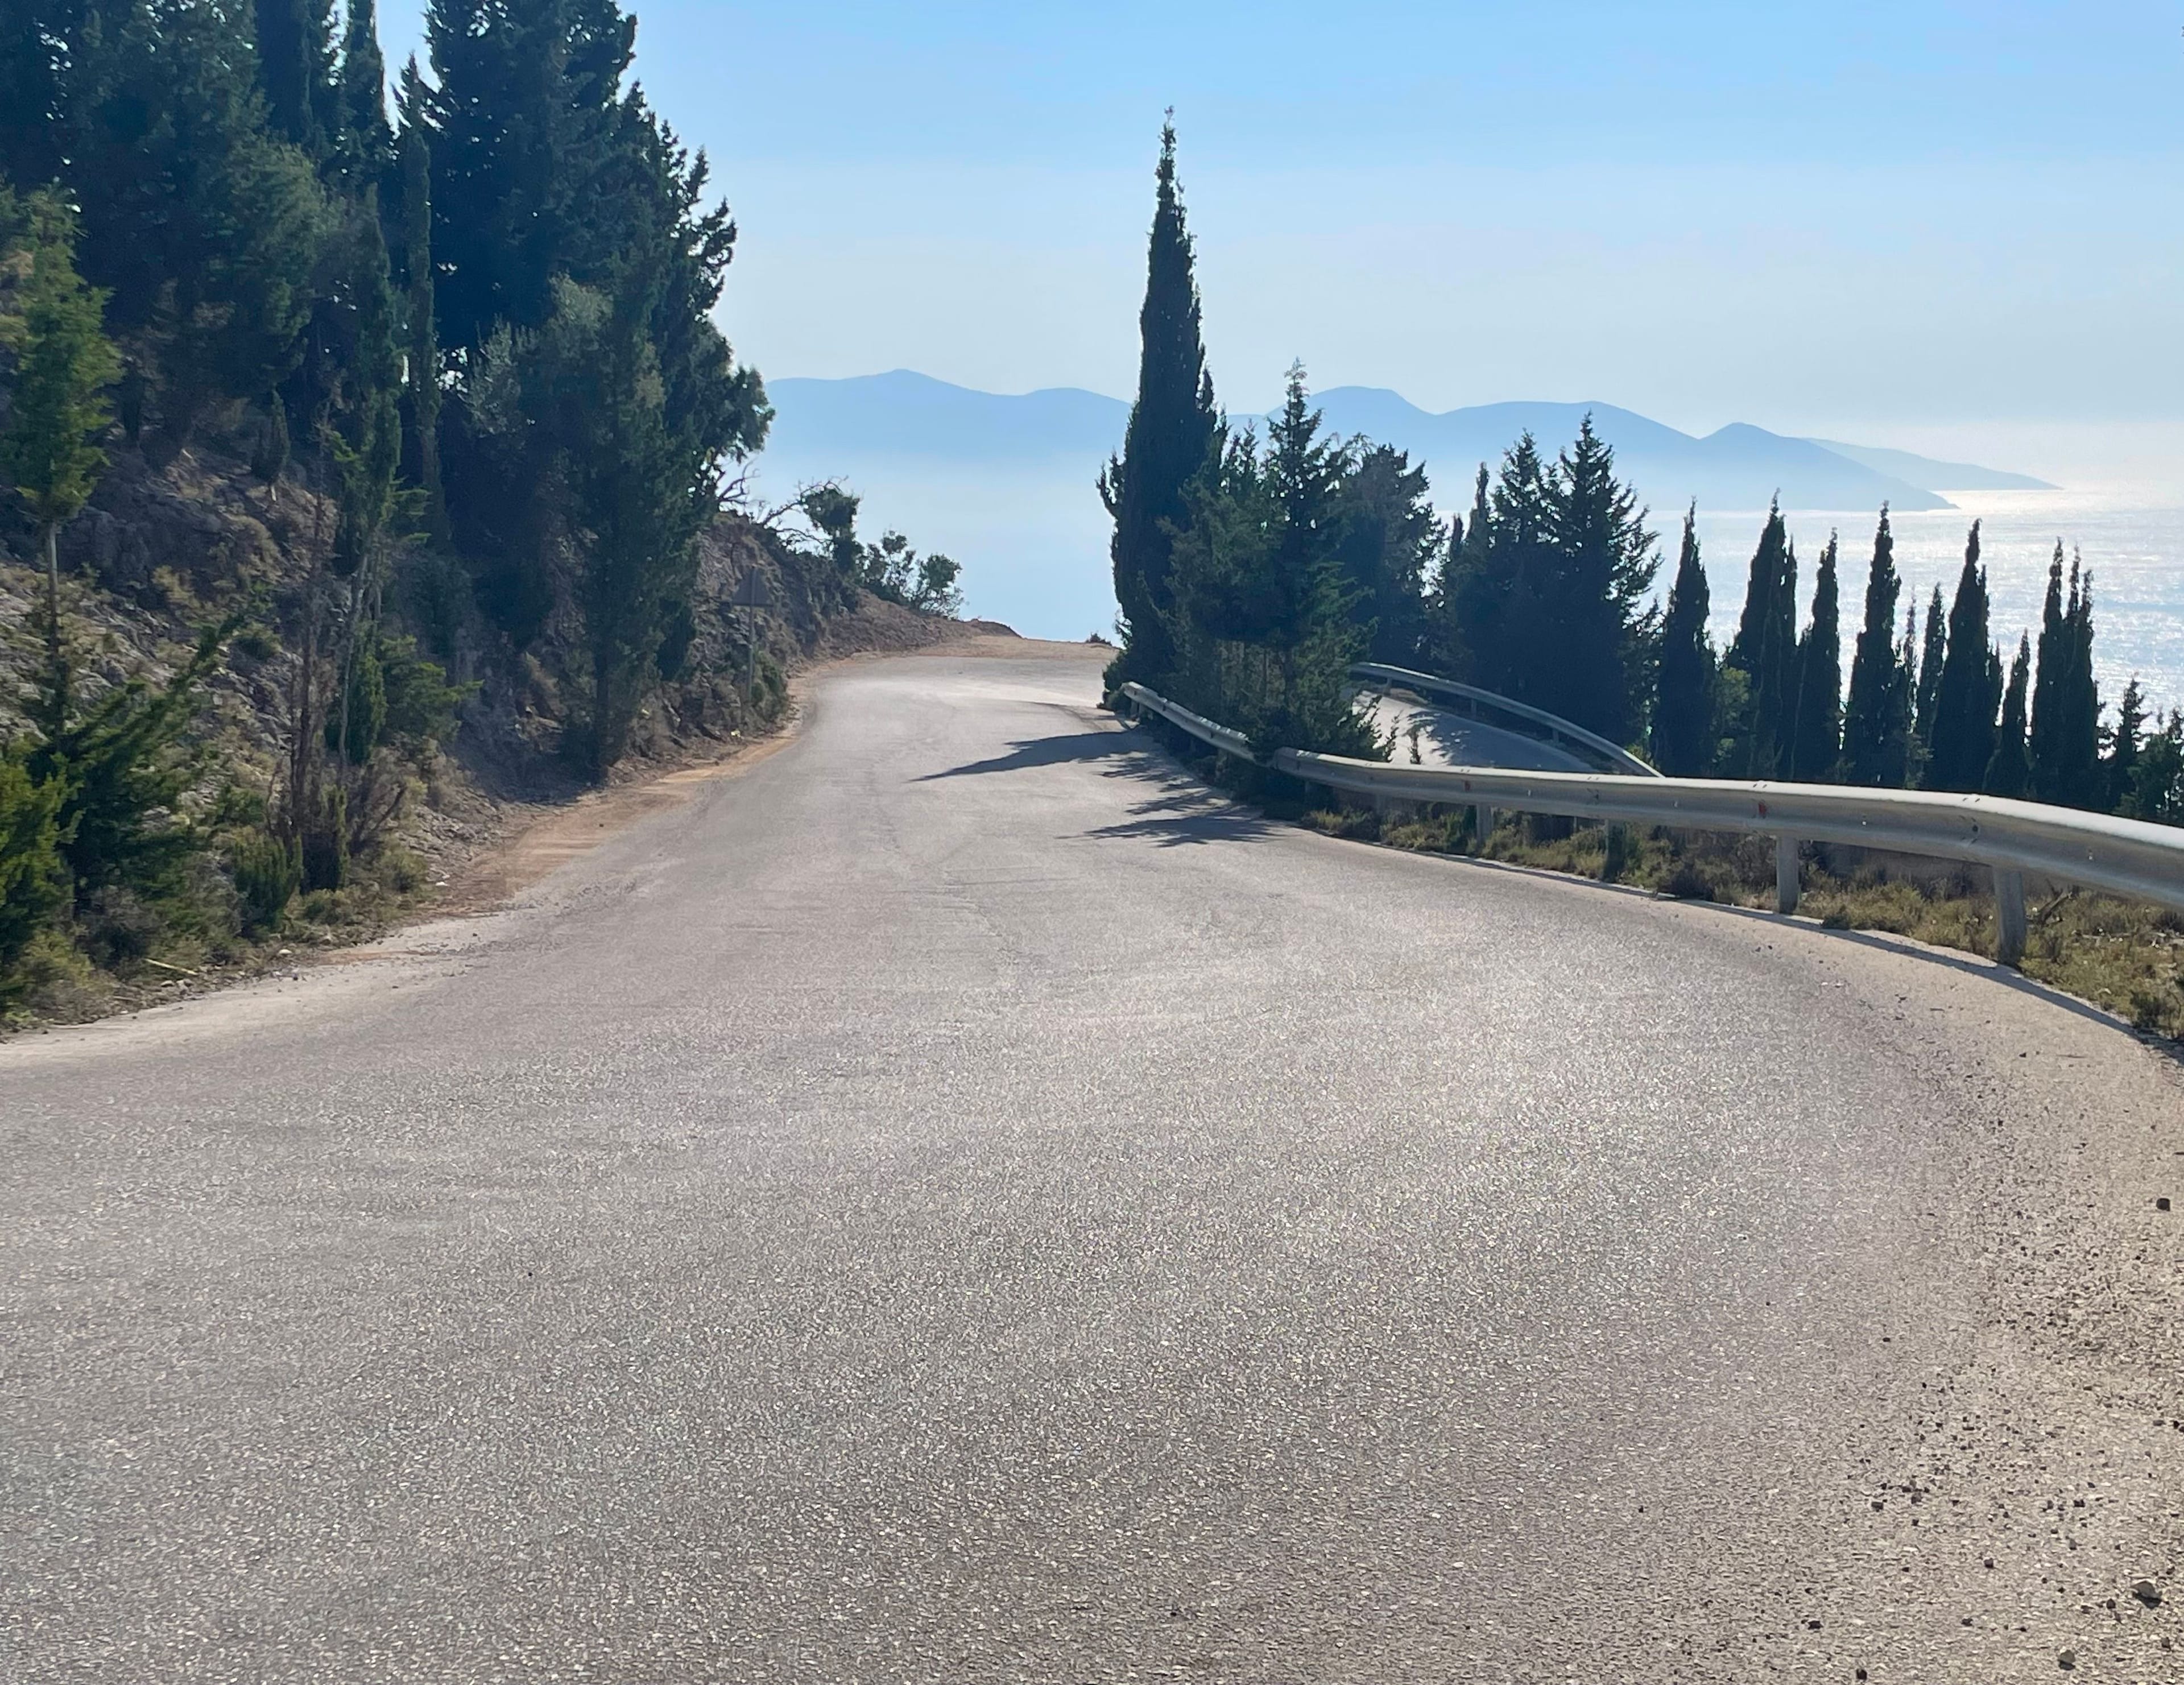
<point>2132,543</point>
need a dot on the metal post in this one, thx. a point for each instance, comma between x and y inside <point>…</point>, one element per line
<point>1484,819</point>
<point>1785,875</point>
<point>2009,916</point>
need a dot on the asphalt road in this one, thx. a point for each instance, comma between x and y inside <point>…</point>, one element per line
<point>955,1202</point>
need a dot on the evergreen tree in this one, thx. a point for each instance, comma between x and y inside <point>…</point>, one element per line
<point>1262,616</point>
<point>51,450</point>
<point>1816,743</point>
<point>2081,784</point>
<point>1933,660</point>
<point>1684,736</point>
<point>2051,678</point>
<point>1505,601</point>
<point>1438,649</point>
<point>35,41</point>
<point>420,330</point>
<point>365,153</point>
<point>2122,763</point>
<point>206,229</point>
<point>1593,642</point>
<point>1470,603</point>
<point>1962,741</point>
<point>1389,535</point>
<point>1171,436</point>
<point>1872,754</point>
<point>2008,772</point>
<point>296,69</point>
<point>1765,652</point>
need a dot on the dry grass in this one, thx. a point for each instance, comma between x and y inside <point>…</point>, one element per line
<point>2125,956</point>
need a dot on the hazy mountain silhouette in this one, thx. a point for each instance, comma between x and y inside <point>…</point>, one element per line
<point>825,428</point>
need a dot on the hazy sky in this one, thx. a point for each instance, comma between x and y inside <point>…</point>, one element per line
<point>1909,222</point>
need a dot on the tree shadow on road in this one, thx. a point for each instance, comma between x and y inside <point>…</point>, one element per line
<point>1188,816</point>
<point>1055,751</point>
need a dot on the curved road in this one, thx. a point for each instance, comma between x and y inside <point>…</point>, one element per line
<point>955,1202</point>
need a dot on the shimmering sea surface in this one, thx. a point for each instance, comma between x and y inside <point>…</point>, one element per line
<point>2132,540</point>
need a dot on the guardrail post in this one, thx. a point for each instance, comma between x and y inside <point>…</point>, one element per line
<point>2009,916</point>
<point>1785,875</point>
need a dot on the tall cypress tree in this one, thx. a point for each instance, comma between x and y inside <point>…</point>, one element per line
<point>2007,771</point>
<point>365,152</point>
<point>296,69</point>
<point>1816,743</point>
<point>2081,699</point>
<point>1933,660</point>
<point>1871,756</point>
<point>1965,700</point>
<point>1468,607</point>
<point>2051,679</point>
<point>1766,651</point>
<point>1683,712</point>
<point>2121,766</point>
<point>1170,438</point>
<point>421,328</point>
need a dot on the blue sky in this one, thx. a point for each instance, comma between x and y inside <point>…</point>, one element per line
<point>1919,220</point>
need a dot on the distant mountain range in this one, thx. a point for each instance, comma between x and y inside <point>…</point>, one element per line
<point>1005,484</point>
<point>911,417</point>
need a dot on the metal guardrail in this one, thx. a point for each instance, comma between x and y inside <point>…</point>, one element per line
<point>1558,729</point>
<point>2126,856</point>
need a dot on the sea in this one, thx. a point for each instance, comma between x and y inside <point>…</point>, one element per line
<point>2130,538</point>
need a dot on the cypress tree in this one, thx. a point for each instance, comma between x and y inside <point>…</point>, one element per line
<point>1683,712</point>
<point>2050,681</point>
<point>1933,659</point>
<point>1765,652</point>
<point>1870,754</point>
<point>1816,745</point>
<point>2081,699</point>
<point>296,69</point>
<point>2122,763</point>
<point>1470,607</point>
<point>1963,738</point>
<point>365,150</point>
<point>2008,773</point>
<point>1170,437</point>
<point>420,329</point>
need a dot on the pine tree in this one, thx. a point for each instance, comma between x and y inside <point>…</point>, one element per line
<point>1594,642</point>
<point>51,450</point>
<point>35,42</point>
<point>1685,712</point>
<point>1871,755</point>
<point>1390,534</point>
<point>2008,772</point>
<point>1816,744</point>
<point>1170,438</point>
<point>1505,605</point>
<point>1965,700</point>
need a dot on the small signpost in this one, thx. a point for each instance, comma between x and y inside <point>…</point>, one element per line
<point>753,595</point>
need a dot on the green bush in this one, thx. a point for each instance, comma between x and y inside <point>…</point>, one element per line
<point>268,870</point>
<point>34,881</point>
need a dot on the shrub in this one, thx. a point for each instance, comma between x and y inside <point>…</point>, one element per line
<point>268,870</point>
